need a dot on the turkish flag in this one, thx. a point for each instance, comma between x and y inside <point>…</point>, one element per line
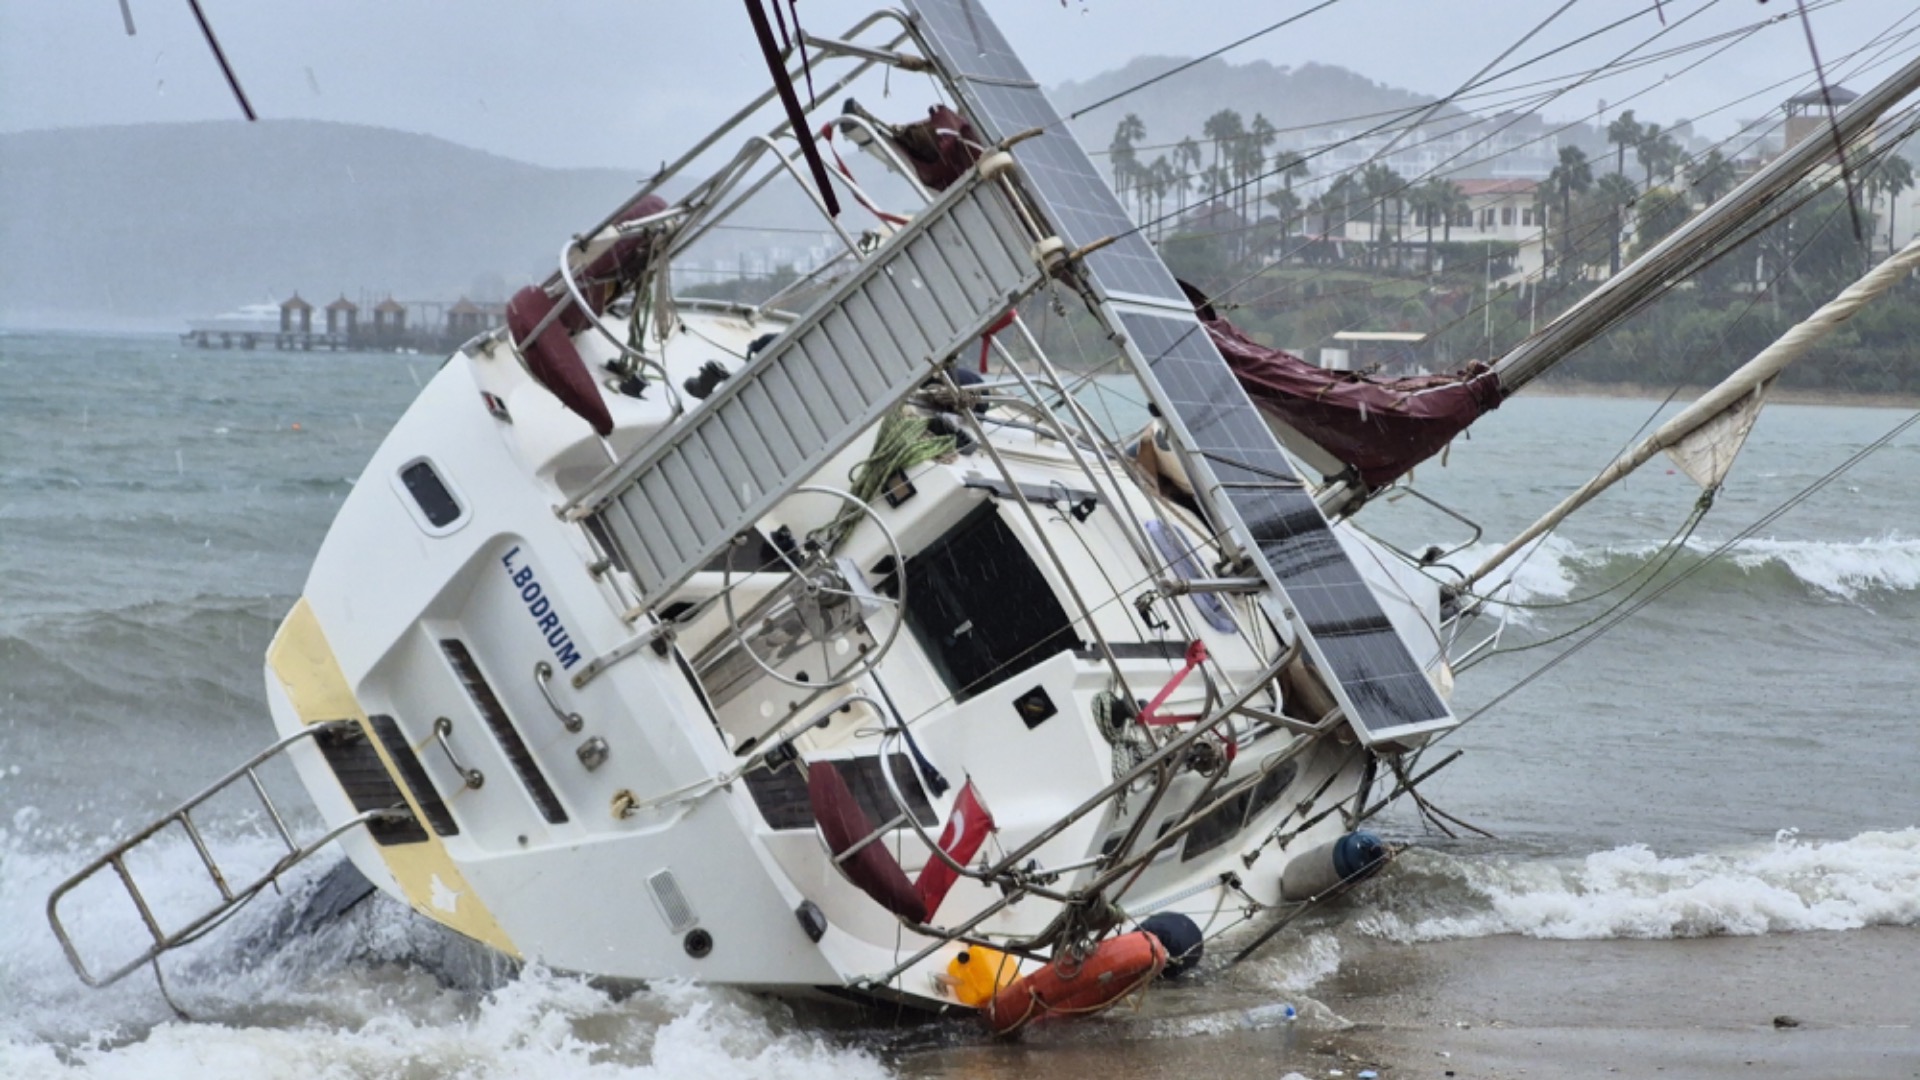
<point>966,830</point>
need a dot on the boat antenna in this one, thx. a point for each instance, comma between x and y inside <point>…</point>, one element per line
<point>206,30</point>
<point>783,83</point>
<point>213,43</point>
<point>1839,144</point>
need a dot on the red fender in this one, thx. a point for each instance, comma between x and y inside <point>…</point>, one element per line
<point>1118,967</point>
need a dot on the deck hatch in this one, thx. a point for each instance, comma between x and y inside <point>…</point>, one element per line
<point>503,730</point>
<point>400,752</point>
<point>369,786</point>
<point>980,608</point>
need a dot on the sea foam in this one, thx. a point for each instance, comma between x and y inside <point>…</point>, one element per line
<point>1553,569</point>
<point>368,996</point>
<point>1791,884</point>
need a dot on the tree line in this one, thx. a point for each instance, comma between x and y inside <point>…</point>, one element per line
<point>1227,213</point>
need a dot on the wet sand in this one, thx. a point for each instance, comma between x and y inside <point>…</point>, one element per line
<point>1509,1007</point>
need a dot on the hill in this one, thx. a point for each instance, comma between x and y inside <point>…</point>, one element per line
<point>1289,97</point>
<point>139,227</point>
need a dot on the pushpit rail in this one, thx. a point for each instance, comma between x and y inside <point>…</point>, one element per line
<point>231,897</point>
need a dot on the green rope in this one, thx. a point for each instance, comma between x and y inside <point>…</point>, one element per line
<point>902,443</point>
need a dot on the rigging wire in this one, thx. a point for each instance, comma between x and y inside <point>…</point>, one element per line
<point>1230,46</point>
<point>1535,281</point>
<point>1731,245</point>
<point>1711,557</point>
<point>1505,97</point>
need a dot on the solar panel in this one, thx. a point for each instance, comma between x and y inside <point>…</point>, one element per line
<point>1003,100</point>
<point>1233,455</point>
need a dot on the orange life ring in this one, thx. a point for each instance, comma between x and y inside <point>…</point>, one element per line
<point>1117,968</point>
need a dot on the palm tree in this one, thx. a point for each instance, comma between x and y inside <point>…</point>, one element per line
<point>1434,199</point>
<point>1614,193</point>
<point>1286,207</point>
<point>1458,207</point>
<point>1336,201</point>
<point>1164,178</point>
<point>1625,131</point>
<point>1120,153</point>
<point>1711,176</point>
<point>1657,151</point>
<point>1246,160</point>
<point>1214,181</point>
<point>1571,177</point>
<point>1381,185</point>
<point>1186,159</point>
<point>1222,127</point>
<point>1260,135</point>
<point>1894,176</point>
<point>1290,167</point>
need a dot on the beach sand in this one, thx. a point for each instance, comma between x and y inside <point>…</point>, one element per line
<point>1503,1008</point>
<point>1849,1004</point>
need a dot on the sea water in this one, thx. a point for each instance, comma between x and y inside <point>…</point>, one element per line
<point>1736,758</point>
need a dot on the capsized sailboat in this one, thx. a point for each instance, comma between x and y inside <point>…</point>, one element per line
<point>815,641</point>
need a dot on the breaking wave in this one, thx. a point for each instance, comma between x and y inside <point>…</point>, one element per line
<point>369,996</point>
<point>1631,892</point>
<point>1555,569</point>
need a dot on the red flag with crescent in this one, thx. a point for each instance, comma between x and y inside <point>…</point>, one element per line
<point>967,829</point>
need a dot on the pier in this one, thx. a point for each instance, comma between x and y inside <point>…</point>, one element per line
<point>395,326</point>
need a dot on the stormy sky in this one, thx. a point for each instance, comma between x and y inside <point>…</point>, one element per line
<point>624,82</point>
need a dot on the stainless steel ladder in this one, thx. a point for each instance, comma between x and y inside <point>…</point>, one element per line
<point>231,896</point>
<point>934,287</point>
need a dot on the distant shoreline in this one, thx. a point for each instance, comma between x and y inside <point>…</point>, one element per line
<point>1782,395</point>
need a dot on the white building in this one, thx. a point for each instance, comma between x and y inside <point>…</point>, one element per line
<point>1502,211</point>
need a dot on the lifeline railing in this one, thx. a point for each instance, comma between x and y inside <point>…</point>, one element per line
<point>231,897</point>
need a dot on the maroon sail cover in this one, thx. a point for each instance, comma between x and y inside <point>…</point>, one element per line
<point>552,358</point>
<point>940,148</point>
<point>1380,426</point>
<point>843,824</point>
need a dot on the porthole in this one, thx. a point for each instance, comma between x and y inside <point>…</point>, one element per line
<point>429,498</point>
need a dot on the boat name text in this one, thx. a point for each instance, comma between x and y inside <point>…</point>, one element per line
<point>541,609</point>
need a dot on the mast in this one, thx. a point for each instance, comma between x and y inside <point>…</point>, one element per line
<point>1669,259</point>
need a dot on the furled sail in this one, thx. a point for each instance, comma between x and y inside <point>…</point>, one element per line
<point>1706,453</point>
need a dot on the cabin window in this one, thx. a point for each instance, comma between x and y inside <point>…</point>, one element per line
<point>437,508</point>
<point>781,792</point>
<point>1222,824</point>
<point>979,607</point>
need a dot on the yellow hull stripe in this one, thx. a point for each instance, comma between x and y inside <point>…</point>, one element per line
<point>304,663</point>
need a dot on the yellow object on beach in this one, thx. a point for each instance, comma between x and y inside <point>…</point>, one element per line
<point>978,973</point>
